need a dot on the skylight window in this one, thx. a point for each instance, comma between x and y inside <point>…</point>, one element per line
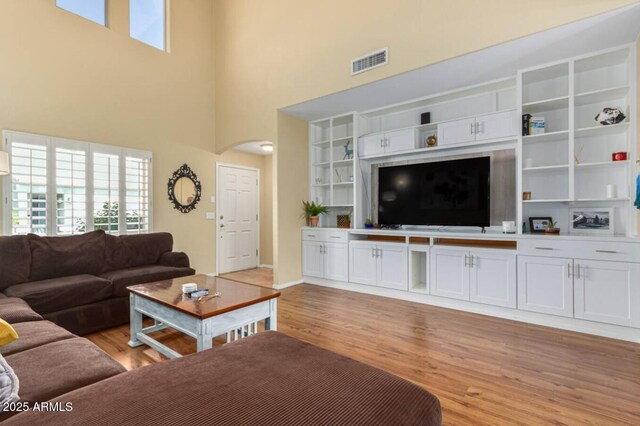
<point>147,22</point>
<point>93,10</point>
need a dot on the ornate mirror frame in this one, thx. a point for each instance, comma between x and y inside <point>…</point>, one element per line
<point>184,172</point>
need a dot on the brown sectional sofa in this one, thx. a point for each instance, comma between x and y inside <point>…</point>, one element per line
<point>80,282</point>
<point>49,360</point>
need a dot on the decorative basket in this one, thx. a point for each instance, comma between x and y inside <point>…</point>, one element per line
<point>344,221</point>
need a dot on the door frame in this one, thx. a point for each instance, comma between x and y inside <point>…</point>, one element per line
<point>258,197</point>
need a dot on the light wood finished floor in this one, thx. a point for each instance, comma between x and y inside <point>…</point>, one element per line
<point>257,276</point>
<point>485,371</point>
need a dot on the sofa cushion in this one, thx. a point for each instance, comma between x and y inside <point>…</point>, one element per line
<point>33,334</point>
<point>15,260</point>
<point>60,293</point>
<point>127,251</point>
<point>14,310</point>
<point>143,274</point>
<point>54,257</point>
<point>56,368</point>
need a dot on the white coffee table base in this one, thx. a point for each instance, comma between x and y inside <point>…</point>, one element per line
<point>235,324</point>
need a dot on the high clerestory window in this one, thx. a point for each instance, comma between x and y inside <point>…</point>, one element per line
<point>93,10</point>
<point>147,22</point>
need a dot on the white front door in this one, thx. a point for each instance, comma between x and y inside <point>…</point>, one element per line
<point>237,218</point>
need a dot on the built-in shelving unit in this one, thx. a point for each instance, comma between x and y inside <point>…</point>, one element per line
<point>332,171</point>
<point>571,164</point>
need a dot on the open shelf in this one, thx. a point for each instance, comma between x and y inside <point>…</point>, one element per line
<point>545,168</point>
<point>602,164</point>
<point>543,137</point>
<point>552,104</point>
<point>545,83</point>
<point>593,200</point>
<point>342,163</point>
<point>324,164</point>
<point>612,128</point>
<point>601,95</point>
<point>556,200</point>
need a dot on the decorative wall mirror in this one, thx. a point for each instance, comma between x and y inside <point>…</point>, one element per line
<point>184,189</point>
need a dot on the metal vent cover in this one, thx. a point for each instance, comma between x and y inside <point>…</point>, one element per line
<point>370,61</point>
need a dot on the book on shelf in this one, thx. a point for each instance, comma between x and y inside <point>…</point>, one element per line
<point>536,125</point>
<point>525,124</point>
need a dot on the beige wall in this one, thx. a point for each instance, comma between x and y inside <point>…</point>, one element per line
<point>64,76</point>
<point>271,54</point>
<point>266,209</point>
<point>291,176</point>
<point>276,53</point>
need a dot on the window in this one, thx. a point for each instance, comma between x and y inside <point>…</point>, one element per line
<point>63,187</point>
<point>147,22</point>
<point>93,10</point>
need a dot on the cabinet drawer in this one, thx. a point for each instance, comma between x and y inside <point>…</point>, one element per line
<point>313,235</point>
<point>325,235</point>
<point>596,250</point>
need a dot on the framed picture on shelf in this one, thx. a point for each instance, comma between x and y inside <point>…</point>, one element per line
<point>537,225</point>
<point>591,220</point>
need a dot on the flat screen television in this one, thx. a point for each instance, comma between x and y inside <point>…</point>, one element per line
<point>446,193</point>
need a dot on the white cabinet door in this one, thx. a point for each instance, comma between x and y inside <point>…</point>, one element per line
<point>371,145</point>
<point>362,263</point>
<point>607,292</point>
<point>392,266</point>
<point>499,125</point>
<point>493,278</point>
<point>312,259</point>
<point>449,273</point>
<point>336,261</point>
<point>458,131</point>
<point>400,140</point>
<point>545,285</point>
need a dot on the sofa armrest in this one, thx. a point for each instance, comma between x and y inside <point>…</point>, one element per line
<point>174,259</point>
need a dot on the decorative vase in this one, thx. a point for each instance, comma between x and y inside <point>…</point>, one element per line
<point>368,226</point>
<point>552,231</point>
<point>313,221</point>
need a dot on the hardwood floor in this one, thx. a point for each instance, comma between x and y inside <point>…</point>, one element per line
<point>257,276</point>
<point>485,371</point>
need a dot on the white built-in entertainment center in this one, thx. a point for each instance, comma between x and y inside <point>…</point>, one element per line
<point>588,283</point>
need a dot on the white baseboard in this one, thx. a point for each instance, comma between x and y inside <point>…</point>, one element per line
<point>287,285</point>
<point>265,266</point>
<point>581,326</point>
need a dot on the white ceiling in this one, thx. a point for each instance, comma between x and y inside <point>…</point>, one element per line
<point>252,148</point>
<point>597,33</point>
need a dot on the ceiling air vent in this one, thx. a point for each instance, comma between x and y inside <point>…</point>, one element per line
<point>370,61</point>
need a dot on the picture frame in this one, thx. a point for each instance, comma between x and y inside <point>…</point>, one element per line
<point>591,221</point>
<point>538,225</point>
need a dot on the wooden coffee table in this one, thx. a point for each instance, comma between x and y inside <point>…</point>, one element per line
<point>235,312</point>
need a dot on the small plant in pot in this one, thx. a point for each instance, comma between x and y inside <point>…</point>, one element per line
<point>312,212</point>
<point>368,224</point>
<point>552,228</point>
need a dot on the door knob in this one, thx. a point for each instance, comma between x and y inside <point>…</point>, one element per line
<point>221,217</point>
<point>221,226</point>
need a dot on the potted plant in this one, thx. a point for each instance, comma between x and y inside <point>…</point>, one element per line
<point>368,224</point>
<point>552,228</point>
<point>312,212</point>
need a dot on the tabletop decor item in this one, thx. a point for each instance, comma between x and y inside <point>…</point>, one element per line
<point>432,141</point>
<point>591,221</point>
<point>185,189</point>
<point>344,221</point>
<point>619,156</point>
<point>552,228</point>
<point>312,211</point>
<point>610,116</point>
<point>538,225</point>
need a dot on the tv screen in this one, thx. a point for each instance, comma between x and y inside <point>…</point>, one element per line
<point>454,193</point>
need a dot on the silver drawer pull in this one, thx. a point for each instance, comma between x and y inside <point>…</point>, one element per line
<point>333,236</point>
<point>606,251</point>
<point>311,235</point>
<point>544,248</point>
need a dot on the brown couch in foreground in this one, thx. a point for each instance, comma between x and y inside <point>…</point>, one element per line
<point>48,360</point>
<point>80,282</point>
<point>266,379</point>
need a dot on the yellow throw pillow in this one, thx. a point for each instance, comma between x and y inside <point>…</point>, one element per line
<point>7,333</point>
